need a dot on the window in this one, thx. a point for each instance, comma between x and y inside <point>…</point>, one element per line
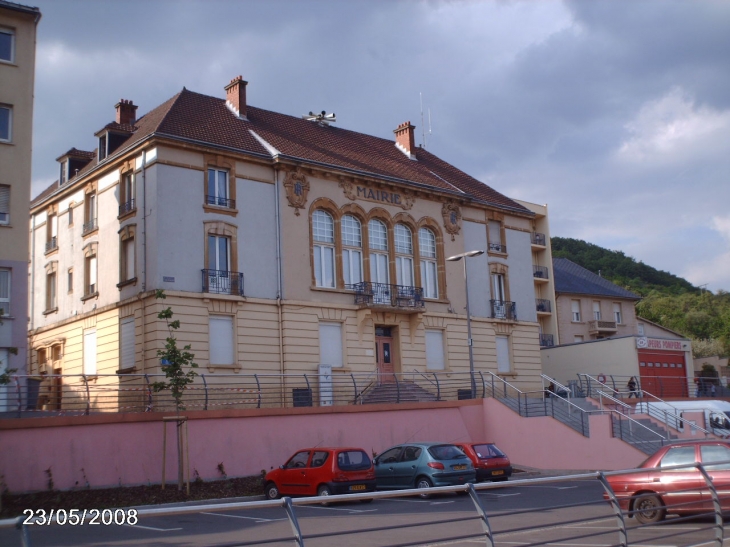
<point>221,340</point>
<point>7,45</point>
<point>403,255</point>
<point>378,235</point>
<point>715,453</point>
<point>498,287</point>
<point>90,270</point>
<point>503,360</point>
<point>330,344</point>
<point>351,250</point>
<point>494,229</point>
<point>127,256</point>
<point>70,280</point>
<point>217,188</point>
<point>6,123</point>
<point>577,338</point>
<point>126,194</point>
<point>323,234</point>
<point>90,213</point>
<point>435,350</point>
<point>684,455</point>
<point>640,326</point>
<point>52,233</point>
<point>596,310</point>
<point>617,313</point>
<point>4,204</point>
<point>429,268</point>
<point>4,292</point>
<point>70,215</point>
<point>63,174</point>
<point>51,300</point>
<point>219,253</point>
<point>126,343</point>
<point>90,352</point>
<point>575,309</point>
<point>102,147</point>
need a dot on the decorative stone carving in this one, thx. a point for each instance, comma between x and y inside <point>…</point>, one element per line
<point>297,189</point>
<point>452,218</point>
<point>348,188</point>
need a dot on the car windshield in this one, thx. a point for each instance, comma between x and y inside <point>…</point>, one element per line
<point>485,451</point>
<point>446,452</point>
<point>353,460</point>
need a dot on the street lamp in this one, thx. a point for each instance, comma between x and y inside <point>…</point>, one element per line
<point>456,258</point>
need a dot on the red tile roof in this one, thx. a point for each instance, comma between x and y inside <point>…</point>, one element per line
<point>207,120</point>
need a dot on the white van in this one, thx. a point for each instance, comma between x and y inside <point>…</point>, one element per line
<point>717,414</point>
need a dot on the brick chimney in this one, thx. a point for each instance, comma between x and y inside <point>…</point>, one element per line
<point>126,112</point>
<point>236,96</point>
<point>404,139</point>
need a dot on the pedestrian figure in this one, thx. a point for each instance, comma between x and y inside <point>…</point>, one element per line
<point>631,385</point>
<point>712,390</point>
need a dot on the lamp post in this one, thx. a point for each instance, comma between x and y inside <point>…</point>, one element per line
<point>456,258</point>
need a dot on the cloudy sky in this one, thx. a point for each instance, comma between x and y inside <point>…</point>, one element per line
<point>614,113</point>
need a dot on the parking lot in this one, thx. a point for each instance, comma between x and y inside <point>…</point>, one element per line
<point>570,513</point>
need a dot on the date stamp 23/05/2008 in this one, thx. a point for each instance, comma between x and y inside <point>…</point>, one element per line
<point>81,517</point>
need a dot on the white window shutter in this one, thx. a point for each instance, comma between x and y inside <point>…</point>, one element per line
<point>330,344</point>
<point>503,363</point>
<point>435,350</point>
<point>221,341</point>
<point>126,343</point>
<point>90,352</point>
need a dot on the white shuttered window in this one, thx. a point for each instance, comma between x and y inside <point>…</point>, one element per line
<point>503,361</point>
<point>330,344</point>
<point>435,349</point>
<point>126,343</point>
<point>221,341</point>
<point>90,352</point>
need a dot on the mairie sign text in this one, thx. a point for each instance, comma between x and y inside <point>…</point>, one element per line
<point>363,192</point>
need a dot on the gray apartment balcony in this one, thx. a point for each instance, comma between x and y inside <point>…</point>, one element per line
<point>404,298</point>
<point>503,309</point>
<point>546,340</point>
<point>223,282</point>
<point>51,244</point>
<point>538,240</point>
<point>601,327</point>
<point>89,226</point>
<point>540,273</point>
<point>543,305</point>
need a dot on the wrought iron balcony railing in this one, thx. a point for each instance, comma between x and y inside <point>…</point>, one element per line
<point>543,305</point>
<point>223,282</point>
<point>546,341</point>
<point>541,272</point>
<point>220,202</point>
<point>498,247</point>
<point>89,226</point>
<point>382,294</point>
<point>538,238</point>
<point>503,309</point>
<point>127,207</point>
<point>52,244</point>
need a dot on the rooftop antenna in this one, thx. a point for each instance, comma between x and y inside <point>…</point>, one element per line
<point>423,126</point>
<point>322,118</point>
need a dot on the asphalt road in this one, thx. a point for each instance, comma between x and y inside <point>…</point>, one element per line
<point>566,514</point>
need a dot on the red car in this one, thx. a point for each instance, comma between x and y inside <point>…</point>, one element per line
<point>652,494</point>
<point>490,462</point>
<point>322,472</point>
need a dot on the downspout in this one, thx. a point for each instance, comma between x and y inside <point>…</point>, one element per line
<point>279,289</point>
<point>144,261</point>
<point>31,283</point>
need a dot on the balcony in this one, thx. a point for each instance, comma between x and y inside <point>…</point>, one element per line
<point>127,207</point>
<point>374,295</point>
<point>601,327</point>
<point>220,202</point>
<point>52,244</point>
<point>540,272</point>
<point>546,341</point>
<point>543,305</point>
<point>223,282</point>
<point>89,226</point>
<point>497,248</point>
<point>537,239</point>
<point>502,309</point>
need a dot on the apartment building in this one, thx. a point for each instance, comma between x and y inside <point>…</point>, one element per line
<point>17,73</point>
<point>284,243</point>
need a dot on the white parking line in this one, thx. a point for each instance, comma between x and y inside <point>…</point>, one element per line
<point>566,487</point>
<point>339,509</point>
<point>406,501</point>
<point>151,528</point>
<point>257,519</point>
<point>441,502</point>
<point>499,495</point>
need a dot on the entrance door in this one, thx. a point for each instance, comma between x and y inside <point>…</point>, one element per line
<point>384,355</point>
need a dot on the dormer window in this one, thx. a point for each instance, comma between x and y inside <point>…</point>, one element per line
<point>63,177</point>
<point>102,147</point>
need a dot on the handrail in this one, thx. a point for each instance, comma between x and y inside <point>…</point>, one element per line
<point>631,420</point>
<point>557,384</point>
<point>614,400</point>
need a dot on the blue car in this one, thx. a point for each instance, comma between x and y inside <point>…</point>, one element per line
<point>422,465</point>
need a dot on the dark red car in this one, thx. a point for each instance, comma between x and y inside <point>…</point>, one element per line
<point>490,463</point>
<point>322,472</point>
<point>652,494</point>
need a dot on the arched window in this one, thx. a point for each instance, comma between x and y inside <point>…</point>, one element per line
<point>378,234</point>
<point>403,255</point>
<point>351,250</point>
<point>323,233</point>
<point>429,275</point>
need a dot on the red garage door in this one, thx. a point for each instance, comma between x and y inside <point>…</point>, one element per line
<point>663,373</point>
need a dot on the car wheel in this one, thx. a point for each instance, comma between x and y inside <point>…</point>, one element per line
<point>649,509</point>
<point>424,482</point>
<point>324,490</point>
<point>271,491</point>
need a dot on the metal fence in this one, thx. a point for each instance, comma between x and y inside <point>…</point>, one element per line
<point>602,521</point>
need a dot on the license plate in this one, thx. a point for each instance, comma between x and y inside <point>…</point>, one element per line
<point>358,487</point>
<point>459,467</point>
<point>497,472</point>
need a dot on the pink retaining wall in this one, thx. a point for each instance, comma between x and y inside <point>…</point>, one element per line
<point>127,449</point>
